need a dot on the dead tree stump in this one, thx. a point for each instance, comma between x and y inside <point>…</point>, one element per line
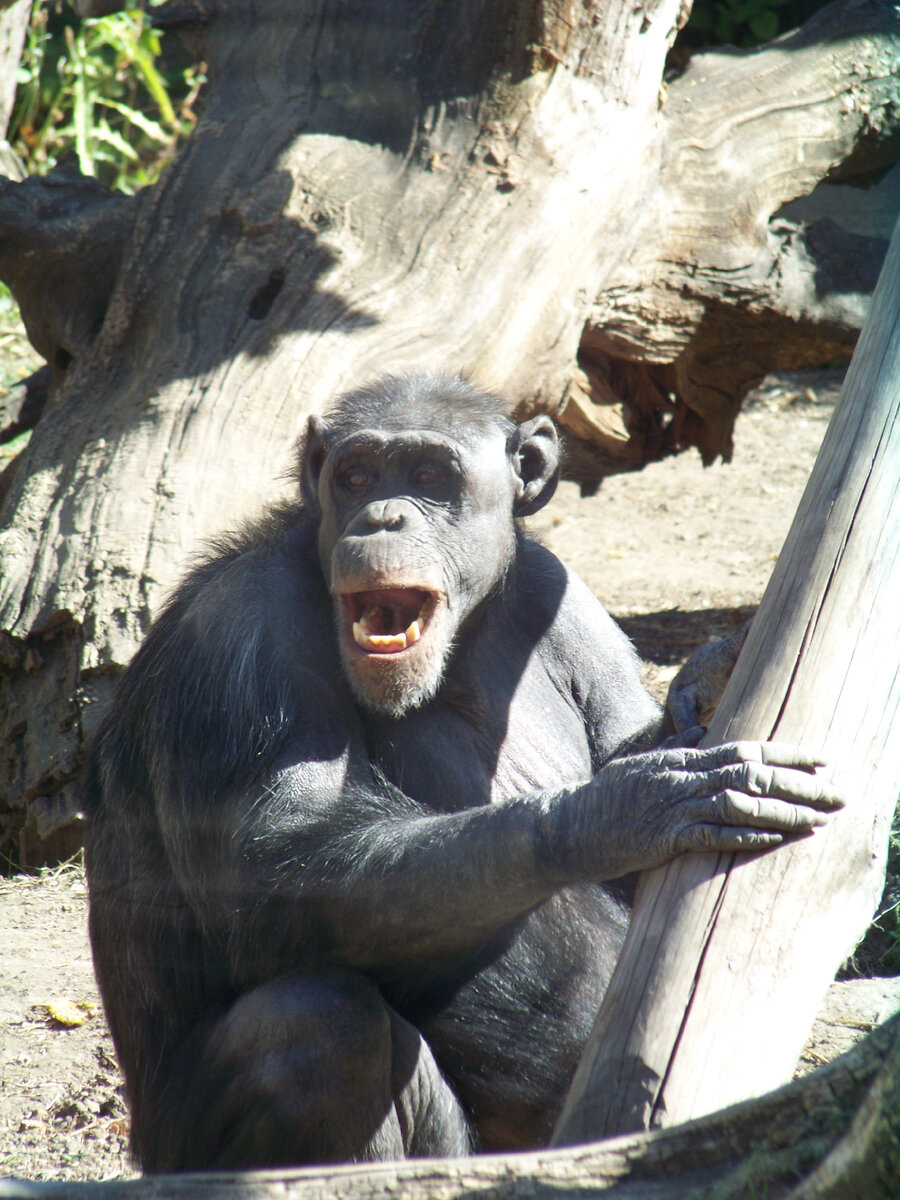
<point>728,958</point>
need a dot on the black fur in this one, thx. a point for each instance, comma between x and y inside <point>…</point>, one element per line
<point>327,932</point>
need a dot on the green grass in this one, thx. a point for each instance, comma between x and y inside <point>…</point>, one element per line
<point>889,916</point>
<point>104,92</point>
<point>101,90</point>
<point>17,358</point>
<point>743,23</point>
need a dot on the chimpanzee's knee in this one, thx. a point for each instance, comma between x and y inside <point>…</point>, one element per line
<point>306,1070</point>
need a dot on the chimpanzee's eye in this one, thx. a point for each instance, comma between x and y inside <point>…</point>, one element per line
<point>355,478</point>
<point>427,474</point>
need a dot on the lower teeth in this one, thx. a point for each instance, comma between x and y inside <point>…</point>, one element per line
<point>386,642</point>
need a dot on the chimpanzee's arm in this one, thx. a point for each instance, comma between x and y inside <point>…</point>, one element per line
<point>368,878</point>
<point>235,724</point>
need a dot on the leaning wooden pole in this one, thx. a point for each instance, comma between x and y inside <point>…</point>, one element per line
<point>728,957</point>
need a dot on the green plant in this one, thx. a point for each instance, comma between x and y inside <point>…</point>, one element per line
<point>100,89</point>
<point>744,23</point>
<point>17,358</point>
<point>889,917</point>
<point>738,22</point>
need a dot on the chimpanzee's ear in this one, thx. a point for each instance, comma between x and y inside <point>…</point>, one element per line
<point>312,449</point>
<point>534,452</point>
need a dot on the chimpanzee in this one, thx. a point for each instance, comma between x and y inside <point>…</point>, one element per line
<point>357,807</point>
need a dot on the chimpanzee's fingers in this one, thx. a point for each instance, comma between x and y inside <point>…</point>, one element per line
<point>724,838</point>
<point>773,754</point>
<point>781,783</point>
<point>784,754</point>
<point>741,810</point>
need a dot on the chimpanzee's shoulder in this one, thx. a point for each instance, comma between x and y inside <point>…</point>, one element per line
<point>230,620</point>
<point>589,656</point>
<point>229,667</point>
<point>260,576</point>
<point>280,541</point>
<point>566,605</point>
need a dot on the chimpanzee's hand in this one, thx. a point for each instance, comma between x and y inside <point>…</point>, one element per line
<point>648,808</point>
<point>696,690</point>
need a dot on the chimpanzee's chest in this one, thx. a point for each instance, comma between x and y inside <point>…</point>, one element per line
<point>479,742</point>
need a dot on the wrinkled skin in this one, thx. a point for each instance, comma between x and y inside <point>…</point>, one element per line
<point>359,810</point>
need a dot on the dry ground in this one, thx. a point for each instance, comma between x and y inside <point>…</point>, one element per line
<point>678,553</point>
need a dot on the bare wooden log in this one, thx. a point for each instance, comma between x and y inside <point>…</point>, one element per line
<point>75,229</point>
<point>22,405</point>
<point>14,16</point>
<point>829,1136</point>
<point>720,287</point>
<point>727,959</point>
<point>391,192</point>
<point>21,408</point>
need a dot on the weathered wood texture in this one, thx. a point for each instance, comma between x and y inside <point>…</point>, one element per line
<point>727,959</point>
<point>834,1135</point>
<point>405,189</point>
<point>14,17</point>
<point>722,283</point>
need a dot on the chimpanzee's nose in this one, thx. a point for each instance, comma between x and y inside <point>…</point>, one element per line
<point>383,514</point>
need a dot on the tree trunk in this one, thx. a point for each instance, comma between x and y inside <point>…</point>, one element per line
<point>727,956</point>
<point>14,17</point>
<point>507,188</point>
<point>834,1135</point>
<point>503,186</point>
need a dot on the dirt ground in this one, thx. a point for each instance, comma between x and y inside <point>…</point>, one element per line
<point>677,553</point>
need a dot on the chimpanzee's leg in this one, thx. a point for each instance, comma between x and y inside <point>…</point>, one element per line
<point>304,1070</point>
<point>509,1037</point>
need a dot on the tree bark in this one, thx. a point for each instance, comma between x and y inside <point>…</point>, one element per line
<point>830,1136</point>
<point>390,186</point>
<point>726,956</point>
<point>14,17</point>
<point>388,189</point>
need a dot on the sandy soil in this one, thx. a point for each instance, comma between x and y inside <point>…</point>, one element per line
<point>678,553</point>
<point>62,1115</point>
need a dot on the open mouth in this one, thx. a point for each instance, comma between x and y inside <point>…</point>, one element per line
<point>389,620</point>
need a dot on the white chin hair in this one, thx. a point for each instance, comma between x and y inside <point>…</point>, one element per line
<point>394,690</point>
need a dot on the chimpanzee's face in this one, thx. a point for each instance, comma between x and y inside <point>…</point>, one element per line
<point>416,529</point>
